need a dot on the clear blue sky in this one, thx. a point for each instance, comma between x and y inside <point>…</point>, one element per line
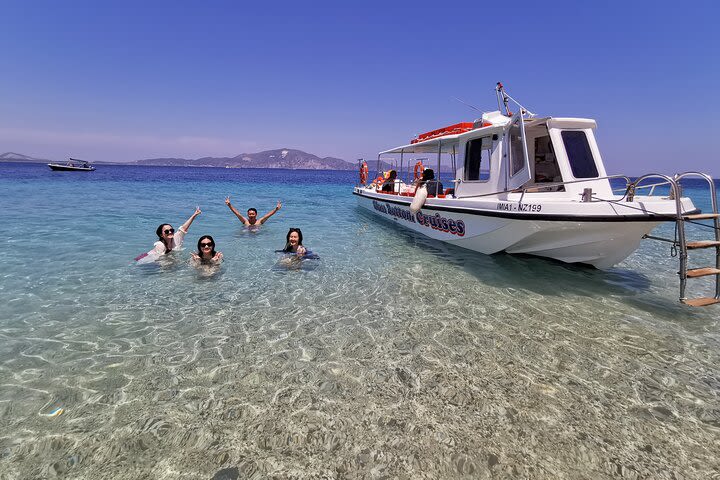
<point>128,80</point>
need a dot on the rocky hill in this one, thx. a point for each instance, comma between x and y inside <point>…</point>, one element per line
<point>280,158</point>
<point>19,157</point>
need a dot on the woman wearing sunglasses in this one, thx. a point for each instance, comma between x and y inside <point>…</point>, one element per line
<point>206,251</point>
<point>168,239</point>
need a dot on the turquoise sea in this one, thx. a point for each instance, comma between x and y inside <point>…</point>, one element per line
<point>393,356</point>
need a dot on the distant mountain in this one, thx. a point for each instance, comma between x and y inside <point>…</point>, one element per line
<point>282,158</point>
<point>288,158</point>
<point>19,157</point>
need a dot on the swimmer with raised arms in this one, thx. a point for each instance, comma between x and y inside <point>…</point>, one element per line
<point>252,220</point>
<point>168,239</point>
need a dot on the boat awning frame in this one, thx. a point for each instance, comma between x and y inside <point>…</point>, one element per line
<point>448,141</point>
<point>446,144</point>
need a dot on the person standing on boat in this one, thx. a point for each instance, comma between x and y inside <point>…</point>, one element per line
<point>434,187</point>
<point>252,219</point>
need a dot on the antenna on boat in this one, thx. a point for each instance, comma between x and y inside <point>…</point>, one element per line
<point>502,94</point>
<point>471,106</point>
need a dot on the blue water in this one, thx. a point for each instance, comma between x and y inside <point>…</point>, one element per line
<point>391,356</point>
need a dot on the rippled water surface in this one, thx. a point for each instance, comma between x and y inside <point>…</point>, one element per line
<point>392,356</point>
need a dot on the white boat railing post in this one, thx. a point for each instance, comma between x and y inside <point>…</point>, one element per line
<point>407,175</point>
<point>438,169</point>
<point>452,161</point>
<point>455,180</point>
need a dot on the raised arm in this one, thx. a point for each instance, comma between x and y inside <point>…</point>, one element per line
<point>185,226</point>
<point>271,213</point>
<point>234,210</point>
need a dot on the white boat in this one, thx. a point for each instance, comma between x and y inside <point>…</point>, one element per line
<point>73,165</point>
<point>535,185</point>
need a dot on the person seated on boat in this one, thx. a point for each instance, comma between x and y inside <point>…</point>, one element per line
<point>434,187</point>
<point>252,219</point>
<point>206,253</point>
<point>169,239</point>
<point>389,184</point>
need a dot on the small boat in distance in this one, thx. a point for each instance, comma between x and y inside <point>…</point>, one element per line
<point>74,165</point>
<point>535,185</point>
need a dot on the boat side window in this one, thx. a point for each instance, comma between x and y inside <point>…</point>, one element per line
<point>517,154</point>
<point>579,154</point>
<point>477,159</point>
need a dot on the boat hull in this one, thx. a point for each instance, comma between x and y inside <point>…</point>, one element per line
<point>66,168</point>
<point>600,241</point>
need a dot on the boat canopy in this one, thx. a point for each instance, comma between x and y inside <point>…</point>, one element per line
<point>446,143</point>
<point>443,144</point>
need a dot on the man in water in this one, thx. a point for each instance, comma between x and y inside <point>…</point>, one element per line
<point>252,219</point>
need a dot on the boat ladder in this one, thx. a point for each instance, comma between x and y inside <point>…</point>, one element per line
<point>682,246</point>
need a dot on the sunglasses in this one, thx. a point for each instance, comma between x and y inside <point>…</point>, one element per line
<point>169,231</point>
<point>206,245</point>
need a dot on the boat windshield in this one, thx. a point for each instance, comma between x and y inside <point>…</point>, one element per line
<point>579,154</point>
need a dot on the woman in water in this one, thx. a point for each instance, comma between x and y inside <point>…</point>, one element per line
<point>293,242</point>
<point>206,251</point>
<point>295,252</point>
<point>168,239</point>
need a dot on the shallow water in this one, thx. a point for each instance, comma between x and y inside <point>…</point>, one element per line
<point>393,356</point>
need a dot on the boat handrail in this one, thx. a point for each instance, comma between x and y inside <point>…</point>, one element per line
<point>544,185</point>
<point>680,222</point>
<point>708,179</point>
<point>628,182</point>
<point>651,187</point>
<point>678,177</point>
<point>714,204</point>
<point>674,188</point>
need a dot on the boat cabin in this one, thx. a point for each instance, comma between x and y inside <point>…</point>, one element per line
<point>513,155</point>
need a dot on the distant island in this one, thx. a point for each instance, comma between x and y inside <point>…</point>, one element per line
<point>281,158</point>
<point>287,158</point>
<point>12,157</point>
